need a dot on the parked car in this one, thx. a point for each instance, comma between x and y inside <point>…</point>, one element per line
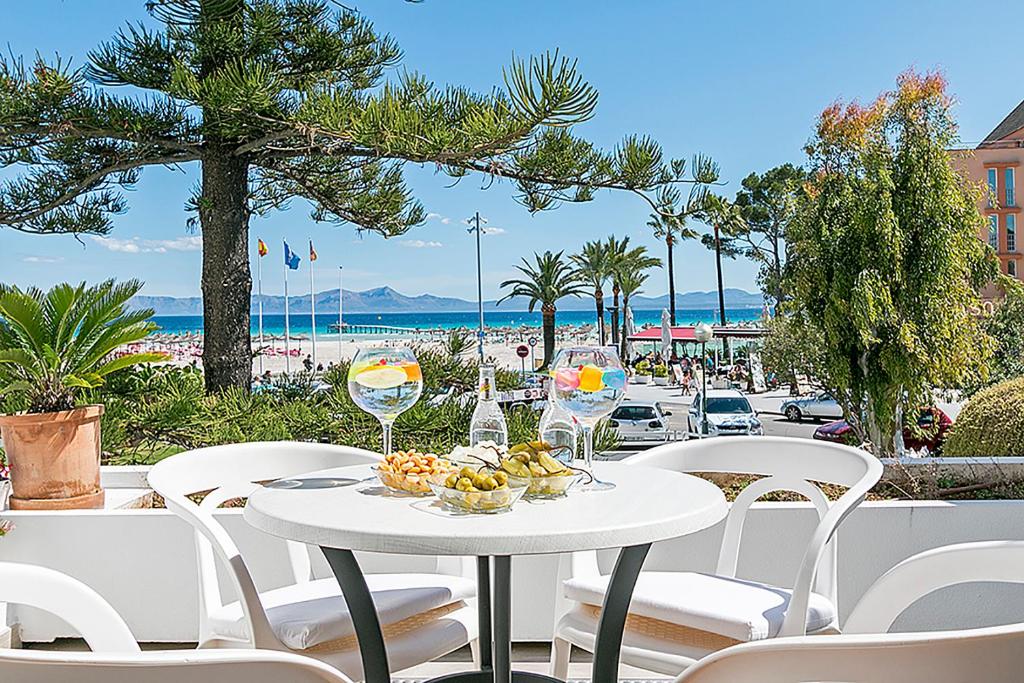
<point>932,426</point>
<point>641,421</point>
<point>820,405</point>
<point>728,414</point>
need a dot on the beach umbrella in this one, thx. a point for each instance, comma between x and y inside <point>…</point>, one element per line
<point>666,334</point>
<point>628,330</point>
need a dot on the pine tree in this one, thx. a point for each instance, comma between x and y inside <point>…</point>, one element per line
<point>277,99</point>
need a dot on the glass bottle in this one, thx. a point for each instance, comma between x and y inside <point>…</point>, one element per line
<point>488,423</point>
<point>559,428</point>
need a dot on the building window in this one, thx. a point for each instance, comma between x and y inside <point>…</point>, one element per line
<point>993,231</point>
<point>1011,232</point>
<point>991,185</point>
<point>1011,268</point>
<point>1008,184</point>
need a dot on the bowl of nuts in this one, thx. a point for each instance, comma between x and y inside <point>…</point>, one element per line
<point>409,472</point>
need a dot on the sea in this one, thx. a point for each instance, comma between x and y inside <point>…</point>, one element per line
<point>302,324</point>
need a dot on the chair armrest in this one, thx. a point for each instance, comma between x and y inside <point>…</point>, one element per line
<point>990,654</point>
<point>81,607</point>
<point>921,574</point>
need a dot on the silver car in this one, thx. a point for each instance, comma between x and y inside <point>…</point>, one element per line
<point>729,413</point>
<point>820,405</point>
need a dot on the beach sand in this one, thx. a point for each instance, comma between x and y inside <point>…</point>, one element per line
<point>499,349</point>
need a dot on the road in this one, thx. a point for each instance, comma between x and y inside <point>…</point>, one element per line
<point>766,405</point>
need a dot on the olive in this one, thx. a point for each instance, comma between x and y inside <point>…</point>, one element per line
<point>501,477</point>
<point>467,472</point>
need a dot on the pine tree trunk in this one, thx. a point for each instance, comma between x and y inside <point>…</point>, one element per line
<point>671,283</point>
<point>615,314</point>
<point>599,302</point>
<point>226,280</point>
<point>548,326</point>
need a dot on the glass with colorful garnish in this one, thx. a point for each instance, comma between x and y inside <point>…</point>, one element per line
<point>589,383</point>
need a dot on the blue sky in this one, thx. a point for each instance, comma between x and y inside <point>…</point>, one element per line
<point>740,81</point>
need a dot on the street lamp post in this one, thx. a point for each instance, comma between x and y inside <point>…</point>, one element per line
<point>703,334</point>
<point>475,221</point>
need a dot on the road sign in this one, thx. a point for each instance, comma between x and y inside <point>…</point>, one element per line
<point>522,351</point>
<point>532,341</point>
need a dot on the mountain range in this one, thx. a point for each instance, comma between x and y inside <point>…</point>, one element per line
<point>387,300</point>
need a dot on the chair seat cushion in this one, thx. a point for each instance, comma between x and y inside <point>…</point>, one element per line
<point>308,614</point>
<point>735,608</point>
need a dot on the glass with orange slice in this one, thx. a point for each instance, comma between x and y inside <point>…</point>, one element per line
<point>385,382</point>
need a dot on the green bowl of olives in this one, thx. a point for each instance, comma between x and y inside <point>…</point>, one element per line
<point>478,490</point>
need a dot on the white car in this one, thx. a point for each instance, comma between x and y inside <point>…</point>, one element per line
<point>641,421</point>
<point>820,405</point>
<point>728,414</point>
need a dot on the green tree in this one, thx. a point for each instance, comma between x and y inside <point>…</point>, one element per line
<point>670,227</point>
<point>618,250</point>
<point>277,99</point>
<point>1006,327</point>
<point>767,204</point>
<point>594,266</point>
<point>630,275</point>
<point>726,223</point>
<point>885,259</point>
<point>544,282</point>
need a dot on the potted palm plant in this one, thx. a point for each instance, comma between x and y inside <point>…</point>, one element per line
<point>53,346</point>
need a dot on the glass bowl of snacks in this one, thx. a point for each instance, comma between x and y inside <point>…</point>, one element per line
<point>409,472</point>
<point>478,490</point>
<point>539,465</point>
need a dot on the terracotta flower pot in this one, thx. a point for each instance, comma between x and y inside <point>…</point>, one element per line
<point>54,459</point>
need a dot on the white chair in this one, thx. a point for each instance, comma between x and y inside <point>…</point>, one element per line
<point>867,653</point>
<point>676,618</point>
<point>423,616</point>
<point>115,656</point>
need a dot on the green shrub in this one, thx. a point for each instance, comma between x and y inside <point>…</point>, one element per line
<point>643,368</point>
<point>991,424</point>
<point>660,370</point>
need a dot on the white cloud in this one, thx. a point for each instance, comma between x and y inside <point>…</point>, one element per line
<point>43,259</point>
<point>494,231</point>
<point>444,220</point>
<point>420,244</point>
<point>141,246</point>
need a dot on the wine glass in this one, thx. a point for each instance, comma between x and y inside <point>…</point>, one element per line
<point>385,382</point>
<point>589,383</point>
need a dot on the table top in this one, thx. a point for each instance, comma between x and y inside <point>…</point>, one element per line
<point>647,505</point>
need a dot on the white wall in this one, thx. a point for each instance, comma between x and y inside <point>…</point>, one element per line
<point>142,561</point>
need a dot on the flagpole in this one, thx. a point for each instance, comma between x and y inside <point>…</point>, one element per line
<point>341,295</point>
<point>259,290</point>
<point>287,327</point>
<point>312,303</point>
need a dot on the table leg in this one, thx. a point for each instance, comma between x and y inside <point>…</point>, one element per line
<point>614,611</point>
<point>483,609</point>
<point>364,614</point>
<point>502,619</point>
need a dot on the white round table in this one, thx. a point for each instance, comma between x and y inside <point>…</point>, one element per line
<point>647,505</point>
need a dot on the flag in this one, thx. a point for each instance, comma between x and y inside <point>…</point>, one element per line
<point>312,252</point>
<point>291,259</point>
<point>261,248</point>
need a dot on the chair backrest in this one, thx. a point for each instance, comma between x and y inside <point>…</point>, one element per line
<point>115,656</point>
<point>235,471</point>
<point>786,464</point>
<point>866,653</point>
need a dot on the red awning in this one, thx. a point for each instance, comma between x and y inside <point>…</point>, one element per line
<point>685,333</point>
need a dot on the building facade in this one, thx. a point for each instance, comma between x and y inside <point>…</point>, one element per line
<point>998,164</point>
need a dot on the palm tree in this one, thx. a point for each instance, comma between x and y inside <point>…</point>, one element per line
<point>594,267</point>
<point>671,229</point>
<point>726,221</point>
<point>545,283</point>
<point>617,250</point>
<point>629,276</point>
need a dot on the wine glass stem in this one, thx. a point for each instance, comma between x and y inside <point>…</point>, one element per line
<point>386,428</point>
<point>588,447</point>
